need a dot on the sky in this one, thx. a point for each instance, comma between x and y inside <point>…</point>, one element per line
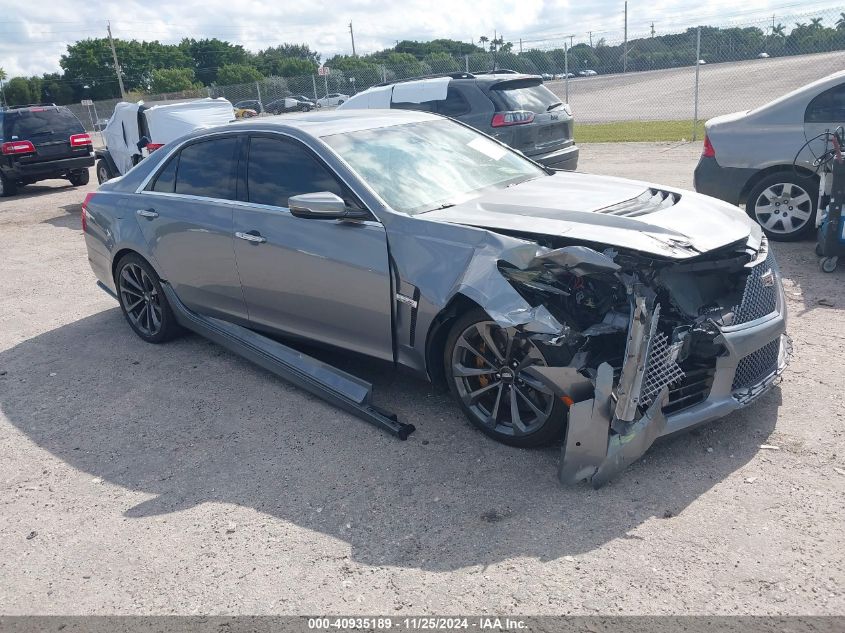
<point>33,35</point>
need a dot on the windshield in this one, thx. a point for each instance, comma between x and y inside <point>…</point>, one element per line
<point>418,167</point>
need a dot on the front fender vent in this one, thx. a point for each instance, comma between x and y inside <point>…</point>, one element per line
<point>648,201</point>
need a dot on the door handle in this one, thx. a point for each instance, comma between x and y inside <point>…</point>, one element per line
<point>252,236</point>
<point>150,214</point>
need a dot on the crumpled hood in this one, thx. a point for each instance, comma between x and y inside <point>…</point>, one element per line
<point>570,204</point>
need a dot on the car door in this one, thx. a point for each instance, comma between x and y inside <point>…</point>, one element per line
<point>825,111</point>
<point>326,280</point>
<point>185,214</point>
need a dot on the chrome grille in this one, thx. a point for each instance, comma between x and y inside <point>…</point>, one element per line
<point>662,369</point>
<point>757,366</point>
<point>758,299</point>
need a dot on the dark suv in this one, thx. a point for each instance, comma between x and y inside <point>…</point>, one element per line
<point>516,109</point>
<point>40,142</point>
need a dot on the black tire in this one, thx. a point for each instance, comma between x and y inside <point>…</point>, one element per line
<point>79,178</point>
<point>103,171</point>
<point>8,187</point>
<point>153,321</point>
<point>492,411</point>
<point>769,204</point>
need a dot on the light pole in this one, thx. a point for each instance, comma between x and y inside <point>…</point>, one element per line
<point>352,81</point>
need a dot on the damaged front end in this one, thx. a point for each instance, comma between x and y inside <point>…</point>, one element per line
<point>650,346</point>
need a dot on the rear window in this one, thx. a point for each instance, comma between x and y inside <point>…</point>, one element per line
<point>523,95</point>
<point>208,169</point>
<point>31,124</point>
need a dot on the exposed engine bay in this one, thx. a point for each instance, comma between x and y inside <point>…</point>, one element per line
<point>641,339</point>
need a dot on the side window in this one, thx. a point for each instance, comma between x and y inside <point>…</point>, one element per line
<point>425,106</point>
<point>453,105</point>
<point>165,182</point>
<point>828,107</point>
<point>209,169</point>
<point>278,169</point>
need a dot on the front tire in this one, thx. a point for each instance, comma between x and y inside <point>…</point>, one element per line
<point>784,205</point>
<point>103,172</point>
<point>143,302</point>
<point>484,365</point>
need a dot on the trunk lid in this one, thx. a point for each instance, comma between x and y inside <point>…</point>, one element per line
<point>549,131</point>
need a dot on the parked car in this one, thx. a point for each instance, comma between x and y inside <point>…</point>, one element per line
<point>40,142</point>
<point>287,104</point>
<point>332,99</point>
<point>545,300</point>
<point>763,56</point>
<point>249,104</point>
<point>587,73</point>
<point>245,113</point>
<point>309,100</point>
<point>137,129</point>
<point>514,108</point>
<point>748,157</point>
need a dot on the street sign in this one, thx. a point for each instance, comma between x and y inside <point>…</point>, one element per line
<point>323,71</point>
<point>87,102</point>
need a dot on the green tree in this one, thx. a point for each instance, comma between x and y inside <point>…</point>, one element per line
<point>816,24</point>
<point>840,22</point>
<point>231,74</point>
<point>172,80</point>
<point>287,60</point>
<point>442,63</point>
<point>210,56</point>
<point>17,91</point>
<point>56,89</point>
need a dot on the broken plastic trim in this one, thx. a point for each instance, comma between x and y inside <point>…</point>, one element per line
<point>333,385</point>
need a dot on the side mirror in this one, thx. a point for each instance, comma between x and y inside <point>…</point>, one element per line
<point>322,205</point>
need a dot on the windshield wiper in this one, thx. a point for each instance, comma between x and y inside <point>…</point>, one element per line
<point>553,106</point>
<point>445,205</point>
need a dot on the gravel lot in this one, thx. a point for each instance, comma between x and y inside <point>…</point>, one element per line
<point>668,94</point>
<point>140,479</point>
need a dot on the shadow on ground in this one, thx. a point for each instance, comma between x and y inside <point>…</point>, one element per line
<point>190,423</point>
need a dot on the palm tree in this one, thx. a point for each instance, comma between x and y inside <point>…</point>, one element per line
<point>815,24</point>
<point>483,40</point>
<point>840,23</point>
<point>800,25</point>
<point>778,30</point>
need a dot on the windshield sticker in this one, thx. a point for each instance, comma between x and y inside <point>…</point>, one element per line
<point>488,148</point>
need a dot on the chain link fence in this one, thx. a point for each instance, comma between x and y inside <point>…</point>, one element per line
<point>685,74</point>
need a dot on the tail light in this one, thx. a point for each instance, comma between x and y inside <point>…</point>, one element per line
<point>85,211</point>
<point>17,147</point>
<point>708,151</point>
<point>515,117</point>
<point>80,140</point>
<point>151,147</point>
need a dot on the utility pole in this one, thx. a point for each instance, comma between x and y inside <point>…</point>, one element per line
<point>625,46</point>
<point>591,39</point>
<point>520,46</point>
<point>116,65</point>
<point>652,29</point>
<point>352,35</point>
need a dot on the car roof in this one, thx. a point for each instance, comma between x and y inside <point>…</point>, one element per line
<point>320,124</point>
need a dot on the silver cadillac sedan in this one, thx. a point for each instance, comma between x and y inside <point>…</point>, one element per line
<point>556,306</point>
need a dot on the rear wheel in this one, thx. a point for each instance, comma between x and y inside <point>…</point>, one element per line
<point>8,187</point>
<point>784,204</point>
<point>103,172</point>
<point>143,302</point>
<point>79,178</point>
<point>485,368</point>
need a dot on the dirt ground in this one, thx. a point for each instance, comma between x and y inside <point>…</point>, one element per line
<point>141,479</point>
